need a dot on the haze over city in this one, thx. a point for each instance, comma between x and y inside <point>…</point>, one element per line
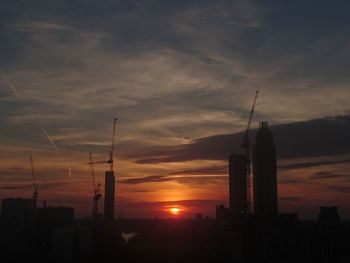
<point>180,76</point>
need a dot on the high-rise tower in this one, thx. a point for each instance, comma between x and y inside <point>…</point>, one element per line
<point>110,183</point>
<point>109,196</point>
<point>238,184</point>
<point>265,174</point>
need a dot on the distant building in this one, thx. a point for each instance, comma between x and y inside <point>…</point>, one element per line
<point>199,216</point>
<point>49,218</point>
<point>55,216</point>
<point>17,210</point>
<point>18,222</point>
<point>109,196</point>
<point>238,184</point>
<point>70,244</point>
<point>328,214</point>
<point>265,174</point>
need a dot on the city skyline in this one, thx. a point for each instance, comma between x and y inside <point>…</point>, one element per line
<point>180,77</point>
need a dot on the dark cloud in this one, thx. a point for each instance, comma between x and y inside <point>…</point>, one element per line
<point>312,138</point>
<point>202,180</point>
<point>291,199</point>
<point>194,180</point>
<point>147,179</point>
<point>30,186</point>
<point>203,170</point>
<point>340,189</point>
<point>201,175</point>
<point>326,175</point>
<point>191,202</point>
<point>289,181</point>
<point>311,164</point>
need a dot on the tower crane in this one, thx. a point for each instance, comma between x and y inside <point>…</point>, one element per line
<point>35,193</point>
<point>110,161</point>
<point>246,146</point>
<point>96,188</point>
<point>111,151</point>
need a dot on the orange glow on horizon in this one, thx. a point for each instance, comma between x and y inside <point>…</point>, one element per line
<point>175,210</point>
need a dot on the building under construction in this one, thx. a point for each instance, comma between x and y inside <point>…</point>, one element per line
<point>109,196</point>
<point>265,174</point>
<point>237,184</point>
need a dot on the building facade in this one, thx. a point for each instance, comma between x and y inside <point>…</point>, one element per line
<point>265,174</point>
<point>109,196</point>
<point>238,184</point>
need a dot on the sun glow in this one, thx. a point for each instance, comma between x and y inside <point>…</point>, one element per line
<point>175,210</point>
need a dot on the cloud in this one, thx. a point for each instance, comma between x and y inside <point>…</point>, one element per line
<point>290,199</point>
<point>194,180</point>
<point>312,164</point>
<point>340,189</point>
<point>147,179</point>
<point>191,202</point>
<point>326,175</point>
<point>203,170</point>
<point>290,181</point>
<point>40,25</point>
<point>30,186</point>
<point>313,138</point>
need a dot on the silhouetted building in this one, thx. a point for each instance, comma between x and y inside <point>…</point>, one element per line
<point>49,218</point>
<point>18,222</point>
<point>328,214</point>
<point>70,244</point>
<point>265,174</point>
<point>109,196</point>
<point>55,216</point>
<point>238,184</point>
<point>17,210</point>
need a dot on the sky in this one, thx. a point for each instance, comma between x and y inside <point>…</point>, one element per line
<point>180,76</point>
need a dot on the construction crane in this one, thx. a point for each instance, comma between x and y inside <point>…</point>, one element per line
<point>97,194</point>
<point>111,151</point>
<point>96,189</point>
<point>35,186</point>
<point>110,161</point>
<point>246,146</point>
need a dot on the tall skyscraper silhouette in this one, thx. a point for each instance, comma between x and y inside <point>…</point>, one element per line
<point>238,184</point>
<point>109,196</point>
<point>265,174</point>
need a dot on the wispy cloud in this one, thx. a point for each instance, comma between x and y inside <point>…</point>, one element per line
<point>293,140</point>
<point>327,175</point>
<point>340,189</point>
<point>312,164</point>
<point>198,179</point>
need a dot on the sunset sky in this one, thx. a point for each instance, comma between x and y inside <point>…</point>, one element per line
<point>180,76</point>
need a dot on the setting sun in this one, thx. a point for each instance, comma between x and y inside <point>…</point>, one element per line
<point>175,210</point>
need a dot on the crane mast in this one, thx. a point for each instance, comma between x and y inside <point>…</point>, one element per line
<point>35,193</point>
<point>111,151</point>
<point>246,146</point>
<point>96,189</point>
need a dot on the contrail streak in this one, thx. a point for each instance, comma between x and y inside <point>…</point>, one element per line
<point>56,149</point>
<point>9,84</point>
<point>51,141</point>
